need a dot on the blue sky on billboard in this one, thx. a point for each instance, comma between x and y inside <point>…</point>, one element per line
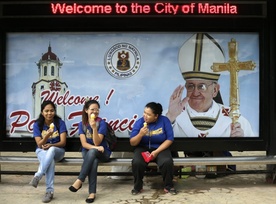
<point>83,70</point>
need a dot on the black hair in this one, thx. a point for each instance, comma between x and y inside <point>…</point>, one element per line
<point>155,107</point>
<point>85,107</point>
<point>40,120</point>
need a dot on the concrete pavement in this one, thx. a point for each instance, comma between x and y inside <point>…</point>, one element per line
<point>232,189</point>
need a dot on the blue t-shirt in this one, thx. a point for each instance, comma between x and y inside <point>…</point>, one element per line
<point>102,129</point>
<point>55,138</point>
<point>159,131</point>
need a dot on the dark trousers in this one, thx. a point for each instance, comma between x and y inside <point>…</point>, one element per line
<point>164,162</point>
<point>89,167</point>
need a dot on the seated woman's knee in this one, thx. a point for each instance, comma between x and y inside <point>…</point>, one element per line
<point>92,151</point>
<point>138,162</point>
<point>52,149</point>
<point>168,162</point>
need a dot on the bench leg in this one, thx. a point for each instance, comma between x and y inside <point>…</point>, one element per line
<point>271,177</point>
<point>0,170</point>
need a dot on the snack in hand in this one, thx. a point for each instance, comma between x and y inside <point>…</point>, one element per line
<point>92,116</point>
<point>145,124</point>
<point>52,126</point>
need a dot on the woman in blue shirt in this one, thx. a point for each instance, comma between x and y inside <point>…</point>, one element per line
<point>153,133</point>
<point>49,132</point>
<point>92,131</point>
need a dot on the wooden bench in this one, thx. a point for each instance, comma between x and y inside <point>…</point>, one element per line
<point>178,162</point>
<point>181,161</point>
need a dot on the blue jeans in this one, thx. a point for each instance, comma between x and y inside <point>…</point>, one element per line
<point>47,159</point>
<point>89,166</point>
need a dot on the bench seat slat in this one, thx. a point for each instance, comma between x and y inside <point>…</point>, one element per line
<point>182,161</point>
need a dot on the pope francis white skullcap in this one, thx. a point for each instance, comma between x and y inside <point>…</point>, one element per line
<point>197,55</point>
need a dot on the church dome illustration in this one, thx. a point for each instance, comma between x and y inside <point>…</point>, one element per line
<point>49,55</point>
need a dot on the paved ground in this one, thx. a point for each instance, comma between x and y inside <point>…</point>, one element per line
<point>232,189</point>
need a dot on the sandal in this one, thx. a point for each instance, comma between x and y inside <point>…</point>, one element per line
<point>135,192</point>
<point>73,189</point>
<point>171,191</point>
<point>90,199</point>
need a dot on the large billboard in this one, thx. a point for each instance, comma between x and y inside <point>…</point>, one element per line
<point>124,71</point>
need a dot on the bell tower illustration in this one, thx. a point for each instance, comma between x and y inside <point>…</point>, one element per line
<point>49,80</point>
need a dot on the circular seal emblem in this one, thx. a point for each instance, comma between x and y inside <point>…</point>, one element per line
<point>122,60</point>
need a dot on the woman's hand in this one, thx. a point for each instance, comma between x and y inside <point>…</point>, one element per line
<point>50,132</point>
<point>154,154</point>
<point>92,123</point>
<point>100,149</point>
<point>143,131</point>
<point>46,146</point>
<point>134,141</point>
